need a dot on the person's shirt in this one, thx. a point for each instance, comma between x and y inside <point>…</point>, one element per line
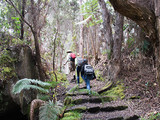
<point>68,57</point>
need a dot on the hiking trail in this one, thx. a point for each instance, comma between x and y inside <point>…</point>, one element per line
<point>95,106</point>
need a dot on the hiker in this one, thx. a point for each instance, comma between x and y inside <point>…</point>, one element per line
<point>71,61</point>
<point>78,63</point>
<point>87,73</point>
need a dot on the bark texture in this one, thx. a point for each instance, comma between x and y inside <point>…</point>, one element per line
<point>107,31</point>
<point>140,11</point>
<point>157,13</point>
<point>115,64</point>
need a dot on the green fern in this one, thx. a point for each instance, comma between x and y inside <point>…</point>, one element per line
<point>50,111</point>
<point>30,83</point>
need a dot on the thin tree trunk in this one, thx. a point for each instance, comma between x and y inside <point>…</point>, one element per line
<point>35,34</point>
<point>54,50</point>
<point>106,27</point>
<point>157,51</point>
<point>22,22</point>
<point>61,59</point>
<point>81,32</point>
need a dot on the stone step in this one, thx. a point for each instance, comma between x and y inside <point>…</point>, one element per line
<point>90,99</point>
<point>81,90</point>
<point>116,115</point>
<point>95,108</point>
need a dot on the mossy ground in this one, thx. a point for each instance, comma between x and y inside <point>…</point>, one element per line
<point>115,92</point>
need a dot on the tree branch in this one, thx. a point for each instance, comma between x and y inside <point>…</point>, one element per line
<point>12,4</point>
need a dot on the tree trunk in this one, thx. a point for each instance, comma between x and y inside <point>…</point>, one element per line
<point>54,50</point>
<point>22,22</point>
<point>61,59</point>
<point>38,56</point>
<point>35,34</point>
<point>118,37</point>
<point>107,31</point>
<point>139,11</point>
<point>81,32</point>
<point>157,13</point>
<point>142,13</point>
<point>115,64</point>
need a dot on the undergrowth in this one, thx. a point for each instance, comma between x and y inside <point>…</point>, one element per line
<point>99,75</point>
<point>6,65</point>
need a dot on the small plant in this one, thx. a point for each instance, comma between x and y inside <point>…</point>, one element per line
<point>51,111</point>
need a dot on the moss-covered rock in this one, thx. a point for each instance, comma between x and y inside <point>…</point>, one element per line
<point>106,87</point>
<point>17,62</point>
<point>73,115</point>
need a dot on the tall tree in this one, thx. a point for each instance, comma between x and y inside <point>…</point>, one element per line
<point>35,27</point>
<point>23,4</point>
<point>157,14</point>
<point>117,44</point>
<point>81,42</point>
<point>107,31</point>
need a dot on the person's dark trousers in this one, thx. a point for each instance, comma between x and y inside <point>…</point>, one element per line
<point>87,81</point>
<point>78,72</point>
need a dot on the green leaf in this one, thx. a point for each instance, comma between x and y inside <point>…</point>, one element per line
<point>30,84</point>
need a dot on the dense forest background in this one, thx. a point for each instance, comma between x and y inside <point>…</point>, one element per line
<point>120,39</point>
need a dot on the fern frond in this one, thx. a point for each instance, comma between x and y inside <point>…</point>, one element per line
<point>27,84</point>
<point>50,111</point>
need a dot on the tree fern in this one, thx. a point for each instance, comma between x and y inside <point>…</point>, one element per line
<point>30,83</point>
<point>50,111</point>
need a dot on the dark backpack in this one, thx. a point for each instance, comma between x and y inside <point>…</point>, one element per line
<point>72,56</point>
<point>89,72</point>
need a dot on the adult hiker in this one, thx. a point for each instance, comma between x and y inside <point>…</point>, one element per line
<point>87,73</point>
<point>78,63</point>
<point>71,62</point>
